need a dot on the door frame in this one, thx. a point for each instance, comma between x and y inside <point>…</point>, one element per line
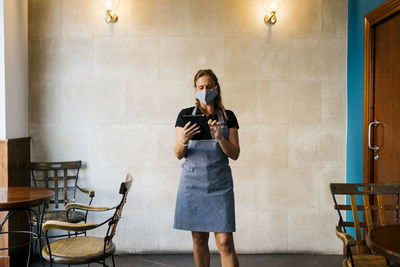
<point>370,20</point>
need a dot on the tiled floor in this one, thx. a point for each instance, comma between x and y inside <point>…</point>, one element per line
<point>185,260</point>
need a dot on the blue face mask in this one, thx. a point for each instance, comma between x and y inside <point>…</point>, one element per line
<point>206,96</point>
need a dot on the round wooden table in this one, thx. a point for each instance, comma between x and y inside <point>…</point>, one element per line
<point>23,197</point>
<point>385,240</point>
<point>17,199</point>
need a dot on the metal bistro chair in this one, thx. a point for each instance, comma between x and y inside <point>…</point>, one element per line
<point>62,177</point>
<point>85,249</point>
<point>373,207</point>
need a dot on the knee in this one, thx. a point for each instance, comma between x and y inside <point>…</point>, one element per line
<point>200,239</point>
<point>225,246</point>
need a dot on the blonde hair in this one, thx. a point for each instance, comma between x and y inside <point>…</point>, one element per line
<point>218,99</point>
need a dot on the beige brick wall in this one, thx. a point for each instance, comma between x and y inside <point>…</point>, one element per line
<point>110,94</point>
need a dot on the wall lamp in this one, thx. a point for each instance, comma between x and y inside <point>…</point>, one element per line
<point>110,6</point>
<point>271,7</point>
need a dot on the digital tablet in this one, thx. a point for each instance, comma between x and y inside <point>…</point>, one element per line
<point>201,120</point>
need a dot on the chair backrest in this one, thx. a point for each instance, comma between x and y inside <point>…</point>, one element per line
<point>124,190</point>
<point>380,206</point>
<point>62,177</point>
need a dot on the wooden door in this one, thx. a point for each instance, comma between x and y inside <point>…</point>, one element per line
<point>382,95</point>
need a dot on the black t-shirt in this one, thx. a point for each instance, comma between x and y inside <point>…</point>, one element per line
<point>231,122</point>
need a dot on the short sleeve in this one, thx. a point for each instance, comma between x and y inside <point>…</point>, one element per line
<point>179,120</point>
<point>232,121</point>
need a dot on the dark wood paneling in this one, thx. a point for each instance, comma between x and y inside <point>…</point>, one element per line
<point>18,162</point>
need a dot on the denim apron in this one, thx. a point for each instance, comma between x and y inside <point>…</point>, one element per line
<point>205,200</point>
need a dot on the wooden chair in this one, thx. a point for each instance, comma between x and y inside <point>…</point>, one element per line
<point>375,211</point>
<point>85,249</point>
<point>62,177</point>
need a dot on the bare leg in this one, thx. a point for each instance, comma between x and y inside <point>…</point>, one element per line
<point>226,249</point>
<point>201,251</point>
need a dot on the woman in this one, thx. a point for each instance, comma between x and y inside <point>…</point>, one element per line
<point>205,200</point>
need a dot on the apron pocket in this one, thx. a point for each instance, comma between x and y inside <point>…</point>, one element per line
<point>186,166</point>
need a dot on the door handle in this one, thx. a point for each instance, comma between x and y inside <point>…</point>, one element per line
<point>374,148</point>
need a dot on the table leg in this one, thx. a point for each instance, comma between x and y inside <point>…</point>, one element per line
<point>28,215</point>
<point>31,234</point>
<point>39,215</point>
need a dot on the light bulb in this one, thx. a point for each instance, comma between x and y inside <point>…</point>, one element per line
<point>273,6</point>
<point>270,5</point>
<point>110,4</point>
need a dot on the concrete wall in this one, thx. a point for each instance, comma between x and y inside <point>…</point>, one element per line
<point>110,94</point>
<point>16,67</point>
<point>13,69</point>
<point>2,76</point>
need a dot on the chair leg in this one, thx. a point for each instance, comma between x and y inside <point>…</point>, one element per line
<point>40,255</point>
<point>351,256</point>
<point>112,257</point>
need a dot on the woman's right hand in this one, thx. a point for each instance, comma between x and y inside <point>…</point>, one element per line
<point>189,131</point>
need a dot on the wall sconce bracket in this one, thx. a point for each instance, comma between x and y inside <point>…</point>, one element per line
<point>111,17</point>
<point>270,19</point>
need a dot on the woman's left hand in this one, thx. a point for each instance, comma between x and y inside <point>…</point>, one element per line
<point>215,129</point>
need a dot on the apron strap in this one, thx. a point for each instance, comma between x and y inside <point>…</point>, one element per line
<point>194,110</point>
<point>220,117</point>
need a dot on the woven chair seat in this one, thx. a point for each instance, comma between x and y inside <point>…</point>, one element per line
<point>365,260</point>
<point>77,250</point>
<point>61,215</point>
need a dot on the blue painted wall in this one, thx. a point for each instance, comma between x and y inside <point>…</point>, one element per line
<point>355,86</point>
